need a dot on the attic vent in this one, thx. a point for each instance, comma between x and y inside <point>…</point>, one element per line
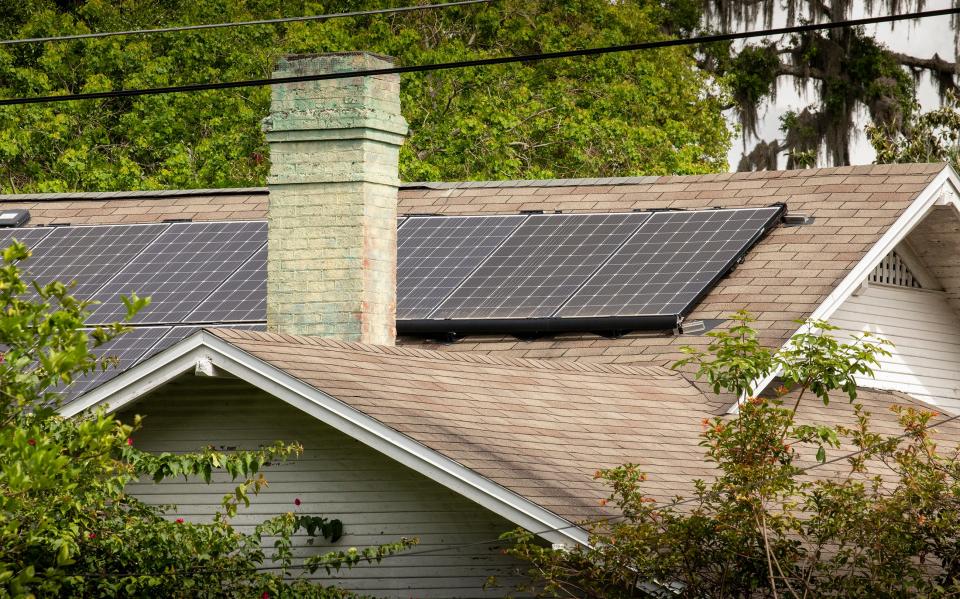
<point>892,270</point>
<point>14,218</point>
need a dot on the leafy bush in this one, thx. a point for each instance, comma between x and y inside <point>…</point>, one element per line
<point>67,525</point>
<point>766,526</point>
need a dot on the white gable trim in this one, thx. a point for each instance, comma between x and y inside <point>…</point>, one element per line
<point>205,348</point>
<point>942,191</point>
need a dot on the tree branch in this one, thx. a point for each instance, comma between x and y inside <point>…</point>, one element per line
<point>935,64</point>
<point>800,71</point>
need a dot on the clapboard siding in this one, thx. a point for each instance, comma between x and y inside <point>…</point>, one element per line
<point>926,333</point>
<point>378,499</point>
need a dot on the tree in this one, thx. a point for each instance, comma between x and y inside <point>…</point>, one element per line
<point>765,526</point>
<point>67,526</point>
<point>848,69</point>
<point>625,114</point>
<point>932,136</point>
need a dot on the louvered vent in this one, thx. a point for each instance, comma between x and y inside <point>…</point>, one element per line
<point>892,270</point>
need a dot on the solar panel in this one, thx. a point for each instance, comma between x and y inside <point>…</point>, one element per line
<point>90,256</point>
<point>183,266</point>
<point>667,266</point>
<point>435,254</point>
<point>545,260</point>
<point>128,348</point>
<point>243,296</point>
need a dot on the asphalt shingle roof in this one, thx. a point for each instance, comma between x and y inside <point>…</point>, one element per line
<point>782,279</point>
<point>540,428</point>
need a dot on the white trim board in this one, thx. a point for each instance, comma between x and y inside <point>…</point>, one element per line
<point>205,348</point>
<point>942,191</point>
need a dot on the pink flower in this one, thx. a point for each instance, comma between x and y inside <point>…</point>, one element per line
<point>296,502</point>
<point>179,520</point>
<point>92,535</point>
<point>129,442</point>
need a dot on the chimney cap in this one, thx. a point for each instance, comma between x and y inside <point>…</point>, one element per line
<point>311,55</point>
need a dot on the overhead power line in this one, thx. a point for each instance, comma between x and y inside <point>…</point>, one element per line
<point>339,15</point>
<point>483,62</point>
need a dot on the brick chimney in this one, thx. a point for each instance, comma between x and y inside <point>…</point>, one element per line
<point>334,149</point>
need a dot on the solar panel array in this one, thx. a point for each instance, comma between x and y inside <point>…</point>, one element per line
<point>89,256</point>
<point>451,270</point>
<point>591,266</point>
<point>546,259</point>
<point>669,263</point>
<point>181,268</point>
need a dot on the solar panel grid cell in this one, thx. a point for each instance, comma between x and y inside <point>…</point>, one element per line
<point>89,256</point>
<point>435,255</point>
<point>241,297</point>
<point>31,237</point>
<point>183,266</point>
<point>669,263</point>
<point>537,268</point>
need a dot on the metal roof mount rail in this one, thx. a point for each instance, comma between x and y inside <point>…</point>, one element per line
<point>537,326</point>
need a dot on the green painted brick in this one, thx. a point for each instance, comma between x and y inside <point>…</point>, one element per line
<point>334,149</point>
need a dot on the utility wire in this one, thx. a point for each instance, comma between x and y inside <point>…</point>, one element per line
<point>339,15</point>
<point>483,62</point>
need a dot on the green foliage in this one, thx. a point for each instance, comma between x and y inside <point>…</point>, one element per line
<point>67,526</point>
<point>932,136</point>
<point>766,526</point>
<point>625,114</point>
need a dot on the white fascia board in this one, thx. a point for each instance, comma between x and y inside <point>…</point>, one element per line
<point>942,191</point>
<point>136,382</point>
<point>210,349</point>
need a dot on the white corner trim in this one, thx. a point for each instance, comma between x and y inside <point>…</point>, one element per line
<point>942,191</point>
<point>205,349</point>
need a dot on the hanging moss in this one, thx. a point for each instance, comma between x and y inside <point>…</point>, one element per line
<point>847,68</point>
<point>753,77</point>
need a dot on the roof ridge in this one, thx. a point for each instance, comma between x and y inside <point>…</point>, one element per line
<point>885,169</point>
<point>139,194</point>
<point>430,354</point>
